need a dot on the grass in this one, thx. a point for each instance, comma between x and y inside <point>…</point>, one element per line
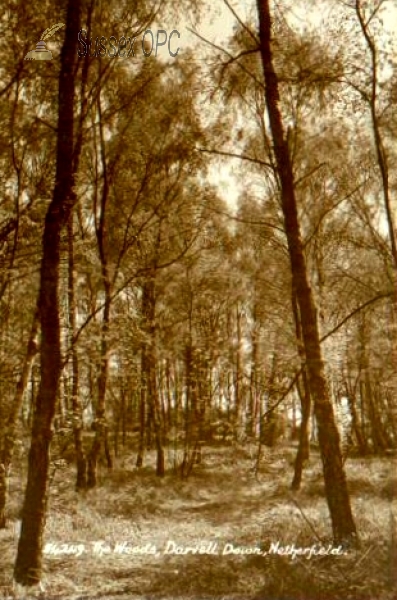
<point>222,501</point>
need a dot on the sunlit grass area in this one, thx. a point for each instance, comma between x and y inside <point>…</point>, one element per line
<point>223,502</point>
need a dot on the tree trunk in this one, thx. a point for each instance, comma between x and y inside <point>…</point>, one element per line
<point>383,164</point>
<point>381,153</point>
<point>343,525</point>
<point>256,390</point>
<point>28,566</point>
<point>101,426</point>
<point>305,400</point>
<point>170,419</point>
<point>194,408</point>
<point>361,441</point>
<point>303,448</point>
<point>142,413</point>
<point>149,368</point>
<point>238,377</point>
<point>188,406</point>
<point>390,413</point>
<point>8,436</point>
<point>154,406</point>
<point>81,463</point>
<point>378,437</point>
<point>124,414</point>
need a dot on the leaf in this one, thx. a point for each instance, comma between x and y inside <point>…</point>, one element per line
<point>50,31</point>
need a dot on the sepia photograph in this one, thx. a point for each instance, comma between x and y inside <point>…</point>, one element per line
<point>198,300</point>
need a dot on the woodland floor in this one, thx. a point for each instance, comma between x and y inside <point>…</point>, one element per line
<point>221,501</point>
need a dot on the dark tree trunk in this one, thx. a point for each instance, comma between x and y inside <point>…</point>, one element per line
<point>123,414</point>
<point>185,466</point>
<point>81,463</point>
<point>8,436</point>
<point>28,566</point>
<point>238,377</point>
<point>303,448</point>
<point>256,397</point>
<point>305,400</point>
<point>356,428</point>
<point>101,438</point>
<point>149,368</point>
<point>363,414</point>
<point>378,436</point>
<point>142,412</point>
<point>343,525</point>
<point>154,406</point>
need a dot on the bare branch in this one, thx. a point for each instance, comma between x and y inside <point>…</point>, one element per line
<point>243,25</point>
<point>216,47</point>
<point>252,159</point>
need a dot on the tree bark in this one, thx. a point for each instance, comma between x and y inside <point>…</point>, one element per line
<point>303,445</point>
<point>81,463</point>
<point>28,566</point>
<point>194,413</point>
<point>149,368</point>
<point>238,377</point>
<point>101,427</point>
<point>343,525</point>
<point>305,400</point>
<point>142,412</point>
<point>356,427</point>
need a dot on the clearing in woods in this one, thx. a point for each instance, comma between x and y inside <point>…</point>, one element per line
<point>110,543</point>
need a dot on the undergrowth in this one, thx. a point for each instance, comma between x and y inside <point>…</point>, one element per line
<point>225,502</point>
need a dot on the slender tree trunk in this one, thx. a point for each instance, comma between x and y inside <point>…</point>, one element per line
<point>194,430</point>
<point>343,525</point>
<point>305,400</point>
<point>28,566</point>
<point>361,441</point>
<point>170,419</point>
<point>81,463</point>
<point>378,437</point>
<point>160,459</point>
<point>194,414</point>
<point>142,412</point>
<point>101,426</point>
<point>32,396</point>
<point>255,394</point>
<point>383,164</point>
<point>8,436</point>
<point>203,396</point>
<point>390,413</point>
<point>303,448</point>
<point>155,408</point>
<point>149,368</point>
<point>188,407</point>
<point>163,400</point>
<point>124,414</point>
<point>238,377</point>
<point>101,438</point>
<point>381,154</point>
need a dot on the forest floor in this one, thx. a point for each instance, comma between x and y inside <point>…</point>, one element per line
<point>224,502</point>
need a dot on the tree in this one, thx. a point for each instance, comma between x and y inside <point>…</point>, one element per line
<point>343,525</point>
<point>28,562</point>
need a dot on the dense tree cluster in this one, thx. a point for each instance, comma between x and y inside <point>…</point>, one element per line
<point>139,309</point>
